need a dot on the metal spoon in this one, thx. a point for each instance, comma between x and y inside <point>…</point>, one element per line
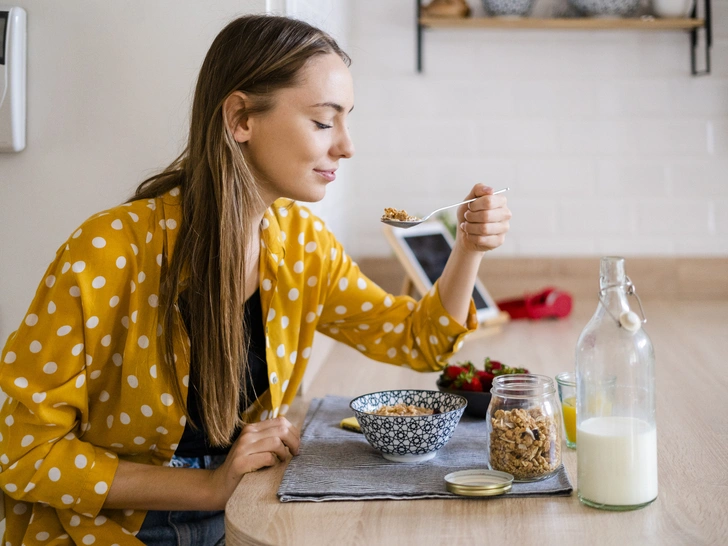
<point>410,223</point>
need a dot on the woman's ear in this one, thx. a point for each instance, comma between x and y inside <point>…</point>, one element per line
<point>236,117</point>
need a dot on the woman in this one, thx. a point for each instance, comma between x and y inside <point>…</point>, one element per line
<point>170,334</point>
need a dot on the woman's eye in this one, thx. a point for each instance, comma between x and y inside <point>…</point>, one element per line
<point>322,125</point>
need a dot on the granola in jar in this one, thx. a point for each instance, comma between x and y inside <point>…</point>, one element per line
<point>524,443</point>
<point>524,427</point>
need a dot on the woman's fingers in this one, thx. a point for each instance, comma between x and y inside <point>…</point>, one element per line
<point>488,216</point>
<point>484,230</point>
<point>268,423</point>
<point>488,242</point>
<point>282,429</point>
<point>260,460</point>
<point>485,221</point>
<point>272,444</point>
<point>287,436</point>
<point>478,191</point>
<point>488,202</point>
<point>259,445</point>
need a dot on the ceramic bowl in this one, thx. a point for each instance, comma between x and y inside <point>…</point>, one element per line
<point>508,8</point>
<point>477,401</point>
<point>673,8</point>
<point>613,8</point>
<point>409,439</point>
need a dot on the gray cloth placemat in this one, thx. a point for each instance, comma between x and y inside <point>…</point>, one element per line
<point>337,464</point>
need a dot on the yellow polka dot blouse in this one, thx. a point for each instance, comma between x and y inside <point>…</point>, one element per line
<point>82,371</point>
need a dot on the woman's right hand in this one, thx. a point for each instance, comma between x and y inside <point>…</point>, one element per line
<point>259,445</point>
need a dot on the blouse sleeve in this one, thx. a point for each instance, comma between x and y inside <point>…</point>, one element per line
<point>43,372</point>
<point>388,328</point>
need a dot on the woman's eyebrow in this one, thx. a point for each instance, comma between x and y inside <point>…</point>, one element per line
<point>337,107</point>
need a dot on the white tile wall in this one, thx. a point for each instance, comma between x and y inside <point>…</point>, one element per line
<point>607,142</point>
<point>109,91</point>
<point>721,216</point>
<point>602,217</point>
<point>675,217</point>
<point>718,137</point>
<point>634,178</point>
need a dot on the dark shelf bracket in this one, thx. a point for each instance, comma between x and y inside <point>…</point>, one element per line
<point>707,27</point>
<point>420,29</point>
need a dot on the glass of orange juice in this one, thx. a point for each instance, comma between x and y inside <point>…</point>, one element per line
<point>566,382</point>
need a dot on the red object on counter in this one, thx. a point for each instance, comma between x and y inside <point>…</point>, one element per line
<point>548,303</point>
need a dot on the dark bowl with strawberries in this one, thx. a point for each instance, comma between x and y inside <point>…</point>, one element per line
<point>477,401</point>
<point>468,381</point>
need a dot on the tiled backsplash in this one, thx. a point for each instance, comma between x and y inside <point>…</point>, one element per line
<point>608,143</point>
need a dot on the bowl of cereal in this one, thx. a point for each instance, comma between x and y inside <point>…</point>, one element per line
<point>408,426</point>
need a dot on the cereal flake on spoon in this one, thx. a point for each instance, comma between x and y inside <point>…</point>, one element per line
<point>399,215</point>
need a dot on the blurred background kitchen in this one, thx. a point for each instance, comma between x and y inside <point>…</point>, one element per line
<point>608,143</point>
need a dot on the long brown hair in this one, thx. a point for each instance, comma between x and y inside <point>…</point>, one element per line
<point>256,55</point>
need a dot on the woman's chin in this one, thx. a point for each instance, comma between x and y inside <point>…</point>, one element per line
<point>313,195</point>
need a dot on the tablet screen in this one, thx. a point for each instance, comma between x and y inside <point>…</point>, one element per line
<point>432,251</point>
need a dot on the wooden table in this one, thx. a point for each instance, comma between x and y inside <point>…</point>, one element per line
<point>691,343</point>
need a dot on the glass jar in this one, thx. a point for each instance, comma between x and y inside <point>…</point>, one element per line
<point>615,400</point>
<point>524,427</point>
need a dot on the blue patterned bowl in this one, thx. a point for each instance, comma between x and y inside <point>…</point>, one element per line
<point>508,8</point>
<point>408,439</point>
<point>606,8</point>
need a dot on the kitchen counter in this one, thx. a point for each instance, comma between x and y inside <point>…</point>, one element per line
<point>691,346</point>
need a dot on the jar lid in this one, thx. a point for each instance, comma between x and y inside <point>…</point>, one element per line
<point>479,483</point>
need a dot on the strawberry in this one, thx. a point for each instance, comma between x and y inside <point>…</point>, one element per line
<point>473,385</point>
<point>451,372</point>
<point>486,379</point>
<point>493,365</point>
<point>469,380</point>
<point>498,368</point>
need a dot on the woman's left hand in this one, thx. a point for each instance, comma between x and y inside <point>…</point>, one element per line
<point>483,224</point>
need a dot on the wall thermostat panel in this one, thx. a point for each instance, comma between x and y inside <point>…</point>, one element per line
<point>12,78</point>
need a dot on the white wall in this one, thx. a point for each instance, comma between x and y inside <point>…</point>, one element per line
<point>109,91</point>
<point>606,141</point>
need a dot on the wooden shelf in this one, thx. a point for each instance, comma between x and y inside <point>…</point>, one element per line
<point>693,26</point>
<point>580,23</point>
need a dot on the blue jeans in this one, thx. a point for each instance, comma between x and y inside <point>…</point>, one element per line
<point>185,528</point>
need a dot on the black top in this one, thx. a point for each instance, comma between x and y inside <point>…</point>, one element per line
<point>194,441</point>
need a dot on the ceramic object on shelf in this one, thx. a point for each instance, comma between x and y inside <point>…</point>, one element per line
<point>673,8</point>
<point>508,8</point>
<point>606,8</point>
<point>446,8</point>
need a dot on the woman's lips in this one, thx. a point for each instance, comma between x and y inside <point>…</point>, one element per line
<point>328,175</point>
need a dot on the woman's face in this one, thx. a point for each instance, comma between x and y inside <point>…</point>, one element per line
<point>295,147</point>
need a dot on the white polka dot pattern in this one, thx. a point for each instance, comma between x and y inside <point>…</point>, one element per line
<point>91,338</point>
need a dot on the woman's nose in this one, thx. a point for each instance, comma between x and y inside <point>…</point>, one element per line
<point>344,146</point>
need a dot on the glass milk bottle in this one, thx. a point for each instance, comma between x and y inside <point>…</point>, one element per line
<point>615,400</point>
